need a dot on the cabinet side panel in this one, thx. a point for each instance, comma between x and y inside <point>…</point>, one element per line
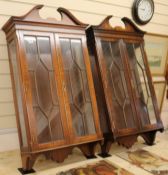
<point>17,87</point>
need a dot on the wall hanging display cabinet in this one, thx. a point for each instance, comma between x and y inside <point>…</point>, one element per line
<point>54,93</point>
<point>124,90</point>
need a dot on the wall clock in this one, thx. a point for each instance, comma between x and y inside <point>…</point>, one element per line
<point>143,11</point>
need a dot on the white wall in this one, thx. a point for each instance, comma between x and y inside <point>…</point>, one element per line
<point>88,11</point>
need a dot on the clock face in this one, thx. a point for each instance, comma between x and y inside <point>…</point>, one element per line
<point>143,10</point>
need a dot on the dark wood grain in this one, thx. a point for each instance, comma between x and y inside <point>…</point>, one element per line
<point>121,71</point>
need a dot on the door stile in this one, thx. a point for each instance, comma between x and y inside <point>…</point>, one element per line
<point>91,87</point>
<point>27,89</point>
<point>59,88</point>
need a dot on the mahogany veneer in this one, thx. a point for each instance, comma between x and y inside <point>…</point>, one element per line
<point>124,90</point>
<point>55,79</point>
<point>54,95</point>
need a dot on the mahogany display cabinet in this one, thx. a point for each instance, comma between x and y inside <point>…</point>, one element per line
<point>123,84</point>
<point>53,87</point>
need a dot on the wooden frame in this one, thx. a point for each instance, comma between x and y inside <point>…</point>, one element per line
<point>157,48</point>
<point>160,88</point>
<point>33,26</point>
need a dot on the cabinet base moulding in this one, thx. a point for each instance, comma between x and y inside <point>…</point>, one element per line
<point>58,155</point>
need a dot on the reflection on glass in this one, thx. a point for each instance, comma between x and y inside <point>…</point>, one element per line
<point>116,81</point>
<point>77,87</point>
<point>12,50</point>
<point>141,83</point>
<point>44,94</point>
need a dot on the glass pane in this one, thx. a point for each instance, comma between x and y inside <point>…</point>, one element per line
<point>116,82</point>
<point>12,50</point>
<point>141,84</point>
<point>77,87</point>
<point>44,89</point>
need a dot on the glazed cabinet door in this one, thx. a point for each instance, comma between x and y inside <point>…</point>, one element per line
<point>79,92</point>
<point>43,89</point>
<point>116,85</point>
<point>142,85</point>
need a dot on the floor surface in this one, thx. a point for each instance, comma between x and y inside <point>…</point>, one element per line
<point>10,161</point>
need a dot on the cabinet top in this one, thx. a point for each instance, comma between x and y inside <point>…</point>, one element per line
<point>106,27</point>
<point>33,18</point>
